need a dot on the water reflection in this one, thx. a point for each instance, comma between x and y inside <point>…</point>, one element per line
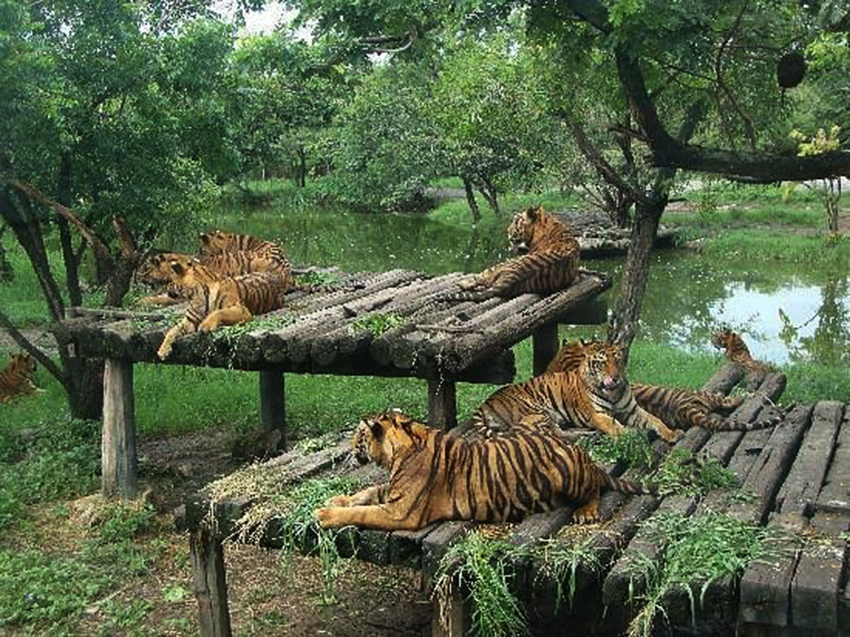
<point>787,313</point>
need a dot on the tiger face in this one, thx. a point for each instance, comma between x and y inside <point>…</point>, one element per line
<point>384,438</point>
<point>602,366</point>
<point>569,357</point>
<point>215,242</point>
<point>156,269</point>
<point>726,339</point>
<point>22,364</point>
<point>522,227</point>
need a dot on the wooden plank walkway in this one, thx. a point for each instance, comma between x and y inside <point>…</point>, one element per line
<point>796,472</point>
<point>328,332</point>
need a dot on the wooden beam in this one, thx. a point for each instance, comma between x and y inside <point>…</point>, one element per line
<point>442,404</point>
<point>273,404</point>
<point>209,582</point>
<point>118,446</point>
<point>545,346</point>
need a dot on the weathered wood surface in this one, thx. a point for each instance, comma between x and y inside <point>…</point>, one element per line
<point>273,404</point>
<point>118,444</point>
<point>209,582</point>
<point>328,331</point>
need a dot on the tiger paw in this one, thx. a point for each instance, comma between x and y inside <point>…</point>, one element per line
<point>207,325</point>
<point>586,518</point>
<point>163,351</point>
<point>338,501</point>
<point>469,283</point>
<point>327,517</point>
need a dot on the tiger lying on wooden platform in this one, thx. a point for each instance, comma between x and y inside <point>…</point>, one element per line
<point>16,377</point>
<point>218,300</point>
<point>221,242</point>
<point>575,391</point>
<point>677,409</point>
<point>550,265</point>
<point>156,270</point>
<point>439,476</point>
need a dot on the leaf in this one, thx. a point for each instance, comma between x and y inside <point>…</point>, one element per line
<point>174,593</point>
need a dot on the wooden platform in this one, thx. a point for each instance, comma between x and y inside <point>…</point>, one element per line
<point>329,332</point>
<point>797,474</point>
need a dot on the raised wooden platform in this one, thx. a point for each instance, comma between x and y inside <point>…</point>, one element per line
<point>797,474</point>
<point>329,332</point>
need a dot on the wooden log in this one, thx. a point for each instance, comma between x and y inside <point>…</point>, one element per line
<point>724,379</point>
<point>544,345</point>
<point>118,446</point>
<point>800,491</point>
<point>452,616</point>
<point>435,545</point>
<point>442,404</point>
<point>592,312</point>
<point>817,581</point>
<point>209,583</point>
<point>834,496</point>
<point>405,547</point>
<point>273,404</point>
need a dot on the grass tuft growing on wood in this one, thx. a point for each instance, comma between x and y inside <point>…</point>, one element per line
<point>632,448</point>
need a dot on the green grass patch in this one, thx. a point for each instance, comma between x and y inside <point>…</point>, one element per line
<point>632,448</point>
<point>681,474</point>
<point>378,323</point>
<point>807,217</point>
<point>772,246</point>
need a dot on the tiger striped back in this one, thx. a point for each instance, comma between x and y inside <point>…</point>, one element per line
<point>16,377</point>
<point>219,242</point>
<point>438,476</point>
<point>550,264</point>
<point>566,398</point>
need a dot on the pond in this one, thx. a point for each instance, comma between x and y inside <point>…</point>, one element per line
<point>788,314</point>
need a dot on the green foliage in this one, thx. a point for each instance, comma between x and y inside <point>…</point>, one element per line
<point>560,561</point>
<point>680,473</point>
<point>696,551</point>
<point>484,567</point>
<point>378,323</point>
<point>632,447</point>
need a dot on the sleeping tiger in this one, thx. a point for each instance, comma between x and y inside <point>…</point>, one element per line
<point>157,270</point>
<point>550,265</point>
<point>220,300</point>
<point>439,476</point>
<point>219,242</point>
<point>16,378</point>
<point>679,409</point>
<point>579,396</point>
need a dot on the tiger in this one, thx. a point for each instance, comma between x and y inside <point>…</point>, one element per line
<point>218,300</point>
<point>157,270</point>
<point>436,476</point>
<point>219,242</point>
<point>678,409</point>
<point>578,396</point>
<point>16,377</point>
<point>738,352</point>
<point>550,264</point>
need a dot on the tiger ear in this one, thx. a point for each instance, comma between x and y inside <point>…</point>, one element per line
<point>533,213</point>
<point>178,268</point>
<point>376,428</point>
<point>204,237</point>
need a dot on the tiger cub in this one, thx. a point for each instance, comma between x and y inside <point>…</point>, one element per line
<point>157,270</point>
<point>220,300</point>
<point>439,476</point>
<point>550,264</point>
<point>219,242</point>
<point>619,402</point>
<point>738,352</point>
<point>16,377</point>
<point>567,399</point>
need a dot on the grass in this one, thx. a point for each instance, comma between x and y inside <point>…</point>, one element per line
<point>378,323</point>
<point>772,246</point>
<point>632,448</point>
<point>810,216</point>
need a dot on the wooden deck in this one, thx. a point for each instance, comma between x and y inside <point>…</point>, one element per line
<point>798,475</point>
<point>442,342</point>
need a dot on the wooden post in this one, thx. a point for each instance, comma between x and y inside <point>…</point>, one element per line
<point>209,582</point>
<point>452,616</point>
<point>442,403</point>
<point>118,447</point>
<point>545,346</point>
<point>273,404</point>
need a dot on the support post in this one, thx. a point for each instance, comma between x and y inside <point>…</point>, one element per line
<point>545,346</point>
<point>452,616</point>
<point>209,582</point>
<point>273,404</point>
<point>442,403</point>
<point>119,464</point>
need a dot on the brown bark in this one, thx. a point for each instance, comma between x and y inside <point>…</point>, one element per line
<point>470,199</point>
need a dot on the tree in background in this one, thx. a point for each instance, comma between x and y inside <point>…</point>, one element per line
<point>112,128</point>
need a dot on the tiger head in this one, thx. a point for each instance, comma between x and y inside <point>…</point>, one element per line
<point>523,228</point>
<point>603,366</point>
<point>22,364</point>
<point>726,339</point>
<point>181,268</point>
<point>156,268</point>
<point>214,242</point>
<point>387,437</point>
<point>569,357</point>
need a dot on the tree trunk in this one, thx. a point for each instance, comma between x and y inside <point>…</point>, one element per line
<point>85,398</point>
<point>492,197</point>
<point>470,199</point>
<point>69,256</point>
<point>302,167</point>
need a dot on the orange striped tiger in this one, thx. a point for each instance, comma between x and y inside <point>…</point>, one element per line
<point>550,264</point>
<point>677,409</point>
<point>439,476</point>
<point>16,378</point>
<point>157,270</point>
<point>577,397</point>
<point>220,300</point>
<point>738,352</point>
<point>219,242</point>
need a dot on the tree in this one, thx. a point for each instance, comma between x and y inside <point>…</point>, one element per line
<point>109,128</point>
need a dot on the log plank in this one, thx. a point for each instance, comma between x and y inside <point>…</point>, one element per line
<point>119,462</point>
<point>209,583</point>
<point>835,494</point>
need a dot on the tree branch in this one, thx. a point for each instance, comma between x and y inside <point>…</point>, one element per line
<point>31,349</point>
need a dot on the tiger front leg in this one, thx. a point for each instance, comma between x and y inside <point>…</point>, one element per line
<point>228,316</point>
<point>372,495</point>
<point>606,424</point>
<point>660,428</point>
<point>588,513</point>
<point>369,517</point>
<point>160,299</point>
<point>183,327</point>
